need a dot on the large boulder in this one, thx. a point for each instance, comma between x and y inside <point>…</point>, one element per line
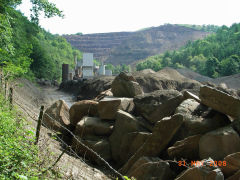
<point>236,176</point>
<point>187,148</point>
<point>130,144</point>
<point>220,101</point>
<point>56,117</point>
<point>198,119</point>
<point>232,164</point>
<point>93,126</point>
<point>108,106</point>
<point>158,104</point>
<point>151,168</point>
<point>124,85</point>
<point>205,171</point>
<point>125,123</point>
<point>98,144</point>
<point>219,143</point>
<point>163,132</point>
<point>82,108</point>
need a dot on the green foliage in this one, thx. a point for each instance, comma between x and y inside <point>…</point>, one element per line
<point>48,8</point>
<point>216,55</point>
<point>207,28</point>
<point>25,47</point>
<point>23,44</point>
<point>18,157</point>
<point>119,68</point>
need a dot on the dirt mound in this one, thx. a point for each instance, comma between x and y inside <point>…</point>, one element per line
<point>232,81</point>
<point>146,71</point>
<point>166,78</point>
<point>193,75</point>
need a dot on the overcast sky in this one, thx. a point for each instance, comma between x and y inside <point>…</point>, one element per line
<point>98,16</point>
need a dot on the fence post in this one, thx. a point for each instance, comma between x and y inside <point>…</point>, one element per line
<point>1,78</point>
<point>11,97</point>
<point>6,88</point>
<point>39,124</point>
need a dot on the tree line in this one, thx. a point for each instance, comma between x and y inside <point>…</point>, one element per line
<point>216,55</point>
<point>28,50</point>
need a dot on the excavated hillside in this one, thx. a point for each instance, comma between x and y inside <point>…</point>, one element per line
<point>128,47</point>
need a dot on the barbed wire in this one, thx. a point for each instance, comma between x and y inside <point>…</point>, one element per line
<point>97,156</point>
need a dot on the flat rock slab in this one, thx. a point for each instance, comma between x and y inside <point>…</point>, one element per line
<point>131,143</point>
<point>145,169</point>
<point>125,123</point>
<point>201,174</point>
<point>187,148</point>
<point>82,108</point>
<point>158,104</point>
<point>108,106</point>
<point>56,117</point>
<point>98,144</point>
<point>219,143</point>
<point>232,164</point>
<point>93,126</point>
<point>220,101</point>
<point>163,132</point>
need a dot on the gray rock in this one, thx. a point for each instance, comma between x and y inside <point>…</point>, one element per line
<point>203,172</point>
<point>125,123</point>
<point>93,126</point>
<point>219,143</point>
<point>187,148</point>
<point>198,119</point>
<point>220,101</point>
<point>124,85</point>
<point>56,117</point>
<point>163,132</point>
<point>98,144</point>
<point>151,168</point>
<point>131,142</point>
<point>158,104</point>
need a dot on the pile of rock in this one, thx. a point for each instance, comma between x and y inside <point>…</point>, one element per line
<point>147,136</point>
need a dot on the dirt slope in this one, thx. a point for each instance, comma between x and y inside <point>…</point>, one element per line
<point>29,97</point>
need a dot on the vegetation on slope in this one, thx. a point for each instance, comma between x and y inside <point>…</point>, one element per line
<point>216,55</point>
<point>25,48</point>
<point>18,157</point>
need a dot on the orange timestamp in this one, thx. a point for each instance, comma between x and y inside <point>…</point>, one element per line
<point>200,163</point>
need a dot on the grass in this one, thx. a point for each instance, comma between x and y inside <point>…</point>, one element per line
<point>19,157</point>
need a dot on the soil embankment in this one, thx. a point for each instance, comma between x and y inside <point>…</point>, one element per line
<point>29,97</point>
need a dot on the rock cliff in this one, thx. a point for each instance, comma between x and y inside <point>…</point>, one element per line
<point>128,47</point>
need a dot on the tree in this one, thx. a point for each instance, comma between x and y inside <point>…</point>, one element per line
<point>212,67</point>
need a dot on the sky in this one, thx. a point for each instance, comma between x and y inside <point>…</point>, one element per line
<point>100,16</point>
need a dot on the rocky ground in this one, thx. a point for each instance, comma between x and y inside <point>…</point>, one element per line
<point>156,125</point>
<point>148,125</point>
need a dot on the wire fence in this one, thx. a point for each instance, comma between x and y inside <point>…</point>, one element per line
<point>31,112</point>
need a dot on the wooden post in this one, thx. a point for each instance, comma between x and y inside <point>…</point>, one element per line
<point>11,97</point>
<point>39,124</point>
<point>1,78</point>
<point>6,87</point>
